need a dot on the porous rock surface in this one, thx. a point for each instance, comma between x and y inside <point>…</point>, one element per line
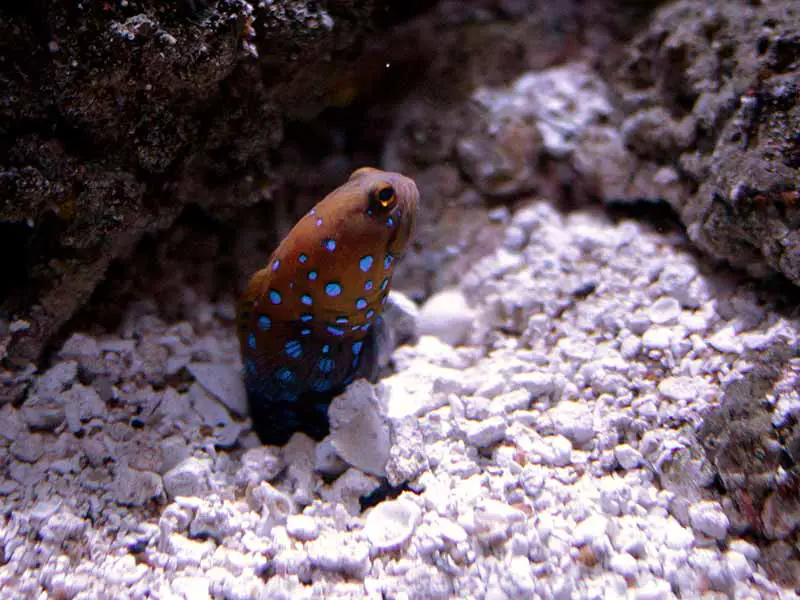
<point>713,90</point>
<point>584,442</point>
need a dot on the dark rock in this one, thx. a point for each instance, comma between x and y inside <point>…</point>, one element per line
<point>751,456</point>
<point>714,89</point>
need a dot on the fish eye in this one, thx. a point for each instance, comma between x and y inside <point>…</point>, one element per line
<point>385,196</point>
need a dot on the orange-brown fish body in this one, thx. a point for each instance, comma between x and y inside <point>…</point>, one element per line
<point>308,320</point>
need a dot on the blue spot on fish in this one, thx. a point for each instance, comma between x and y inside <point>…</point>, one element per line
<point>264,323</point>
<point>319,221</point>
<point>325,349</point>
<point>275,296</point>
<point>365,263</point>
<point>321,385</point>
<point>306,317</point>
<point>325,365</point>
<point>303,257</point>
<point>312,275</point>
<point>368,284</point>
<point>370,313</point>
<point>361,304</point>
<point>357,347</point>
<point>275,265</point>
<point>387,262</point>
<point>251,341</point>
<point>389,222</point>
<point>286,375</point>
<point>305,332</point>
<point>294,349</point>
<point>306,299</point>
<point>342,320</point>
<point>333,289</point>
<point>384,283</point>
<point>335,330</point>
<point>329,244</point>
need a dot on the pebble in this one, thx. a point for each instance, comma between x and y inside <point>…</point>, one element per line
<point>630,346</point>
<point>624,564</point>
<point>28,447</point>
<point>657,338</point>
<point>359,433</point>
<point>708,518</point>
<point>573,420</point>
<point>391,524</point>
<point>653,590</point>
<point>302,527</point>
<point>189,478</point>
<point>738,565</point>
<point>665,310</point>
<point>727,340</point>
<point>136,488</point>
<point>224,383</point>
<point>213,412</point>
<point>447,316</point>
<point>514,238</point>
<point>191,588</point>
<point>492,520</point>
<point>627,456</point>
<point>558,451</point>
<point>339,554</point>
<point>590,530</point>
<point>683,388</point>
<point>536,383</point>
<point>488,432</point>
<point>56,379</point>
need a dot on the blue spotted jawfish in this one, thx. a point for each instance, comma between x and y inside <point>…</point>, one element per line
<point>308,321</point>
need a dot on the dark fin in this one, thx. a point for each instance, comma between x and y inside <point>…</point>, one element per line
<point>281,405</point>
<point>369,367</point>
<point>276,422</point>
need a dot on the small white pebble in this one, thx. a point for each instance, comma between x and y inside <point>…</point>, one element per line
<point>536,383</point>
<point>654,590</point>
<point>624,564</point>
<point>630,346</point>
<point>748,550</point>
<point>664,310</point>
<point>657,338</point>
<point>390,524</point>
<point>738,565</point>
<point>683,388</point>
<point>487,432</point>
<point>726,340</point>
<point>707,518</point>
<point>302,527</point>
<point>560,454</point>
<point>590,529</point>
<point>627,456</point>
<point>514,238</point>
